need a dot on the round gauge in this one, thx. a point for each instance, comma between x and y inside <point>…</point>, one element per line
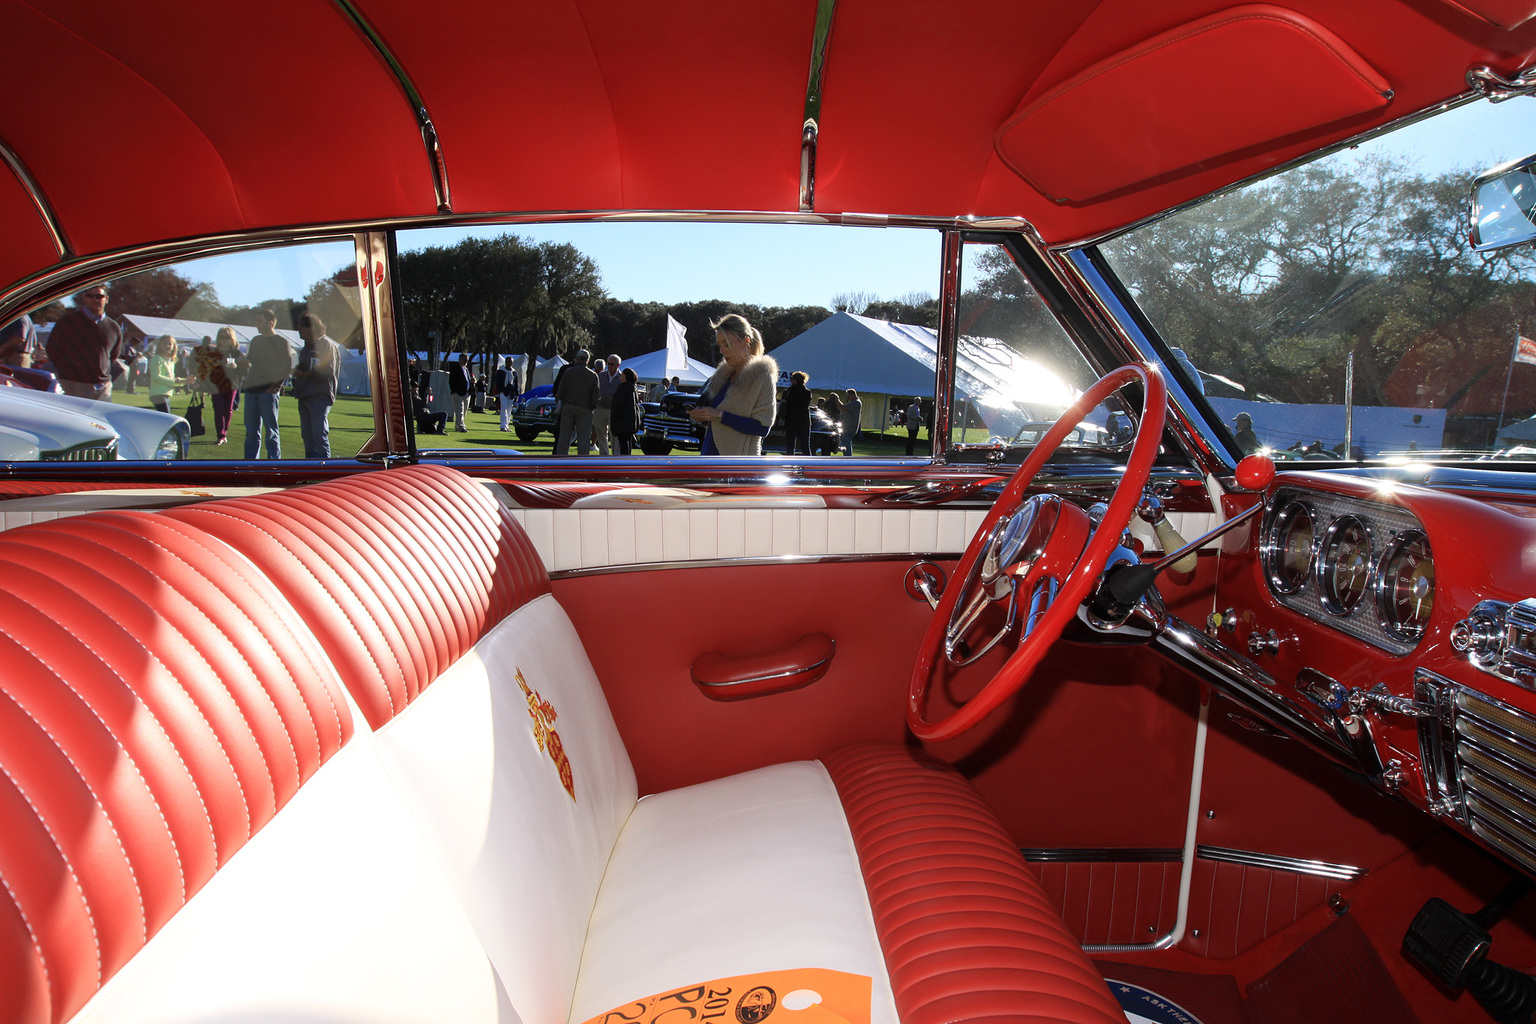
<point>1288,555</point>
<point>1405,586</point>
<point>1344,565</point>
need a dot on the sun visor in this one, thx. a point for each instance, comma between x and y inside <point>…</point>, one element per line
<point>1212,89</point>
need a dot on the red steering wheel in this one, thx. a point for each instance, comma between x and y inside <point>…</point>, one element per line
<point>1043,555</point>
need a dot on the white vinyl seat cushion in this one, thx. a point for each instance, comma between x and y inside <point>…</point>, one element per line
<point>336,911</point>
<point>755,872</point>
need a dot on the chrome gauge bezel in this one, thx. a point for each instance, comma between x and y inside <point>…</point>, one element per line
<point>1325,567</point>
<point>1273,549</point>
<point>1407,632</point>
<point>1331,512</point>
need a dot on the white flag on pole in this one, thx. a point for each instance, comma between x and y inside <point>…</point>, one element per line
<point>677,348</point>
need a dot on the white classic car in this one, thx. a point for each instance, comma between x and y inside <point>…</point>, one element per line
<point>39,425</point>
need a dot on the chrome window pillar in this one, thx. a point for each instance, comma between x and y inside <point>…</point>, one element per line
<point>1205,447</point>
<point>949,341</point>
<point>386,378</point>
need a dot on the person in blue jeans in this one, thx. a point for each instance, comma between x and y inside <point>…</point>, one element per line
<point>266,365</point>
<point>315,381</point>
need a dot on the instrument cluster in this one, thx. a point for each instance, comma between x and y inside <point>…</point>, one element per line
<point>1358,566</point>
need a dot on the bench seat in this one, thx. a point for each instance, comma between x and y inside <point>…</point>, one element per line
<point>351,740</point>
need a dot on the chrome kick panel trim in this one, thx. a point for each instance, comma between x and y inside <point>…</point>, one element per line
<point>1274,862</point>
<point>1103,855</point>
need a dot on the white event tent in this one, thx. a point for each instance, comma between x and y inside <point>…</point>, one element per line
<point>190,333</point>
<point>881,358</point>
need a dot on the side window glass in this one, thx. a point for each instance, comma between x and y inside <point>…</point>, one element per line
<point>512,332</point>
<point>242,356</point>
<point>1017,370</point>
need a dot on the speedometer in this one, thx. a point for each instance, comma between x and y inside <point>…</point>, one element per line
<point>1344,567</point>
<point>1288,555</point>
<point>1405,586</point>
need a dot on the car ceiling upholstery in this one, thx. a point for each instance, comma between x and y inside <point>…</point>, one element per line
<point>182,119</point>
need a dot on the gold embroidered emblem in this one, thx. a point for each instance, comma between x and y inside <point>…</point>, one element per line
<point>543,714</point>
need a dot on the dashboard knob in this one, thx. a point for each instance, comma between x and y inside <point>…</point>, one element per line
<point>1264,642</point>
<point>1477,636</point>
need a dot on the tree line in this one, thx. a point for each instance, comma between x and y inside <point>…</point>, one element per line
<point>1276,285</point>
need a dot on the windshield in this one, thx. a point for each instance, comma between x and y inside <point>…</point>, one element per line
<point>1336,310</point>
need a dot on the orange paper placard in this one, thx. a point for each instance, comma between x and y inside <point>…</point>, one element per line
<point>807,995</point>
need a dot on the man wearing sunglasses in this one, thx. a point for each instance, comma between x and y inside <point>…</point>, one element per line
<point>83,346</point>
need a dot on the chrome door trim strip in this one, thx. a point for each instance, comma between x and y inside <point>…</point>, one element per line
<point>429,137</point>
<point>1275,862</point>
<point>35,193</point>
<point>763,560</point>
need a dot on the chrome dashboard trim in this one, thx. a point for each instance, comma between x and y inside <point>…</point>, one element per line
<point>1275,862</point>
<point>1246,683</point>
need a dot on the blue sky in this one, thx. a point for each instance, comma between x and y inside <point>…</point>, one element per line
<point>789,265</point>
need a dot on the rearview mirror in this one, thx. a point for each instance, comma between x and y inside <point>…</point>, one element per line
<point>1504,206</point>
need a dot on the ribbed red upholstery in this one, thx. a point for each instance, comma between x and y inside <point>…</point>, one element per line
<point>159,702</point>
<point>399,572</point>
<point>968,934</point>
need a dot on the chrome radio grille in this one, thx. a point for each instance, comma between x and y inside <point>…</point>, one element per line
<point>1479,757</point>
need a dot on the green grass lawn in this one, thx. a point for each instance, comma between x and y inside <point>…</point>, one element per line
<point>352,424</point>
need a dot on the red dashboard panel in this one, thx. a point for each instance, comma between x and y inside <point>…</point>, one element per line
<point>1315,633</point>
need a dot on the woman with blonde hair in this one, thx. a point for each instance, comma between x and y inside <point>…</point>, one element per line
<point>162,372</point>
<point>215,365</point>
<point>739,400</point>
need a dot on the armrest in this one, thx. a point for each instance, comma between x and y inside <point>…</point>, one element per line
<point>737,677</point>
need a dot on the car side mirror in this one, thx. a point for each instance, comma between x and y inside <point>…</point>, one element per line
<point>1503,208</point>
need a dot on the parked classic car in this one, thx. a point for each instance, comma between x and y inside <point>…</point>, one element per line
<point>533,415</point>
<point>668,426</point>
<point>1115,718</point>
<point>52,427</point>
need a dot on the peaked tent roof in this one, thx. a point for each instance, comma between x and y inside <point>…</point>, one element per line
<point>881,357</point>
<point>655,366</point>
<point>194,331</point>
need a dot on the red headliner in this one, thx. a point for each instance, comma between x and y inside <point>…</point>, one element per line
<point>195,119</point>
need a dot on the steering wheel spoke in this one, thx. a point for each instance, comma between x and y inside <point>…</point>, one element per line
<point>1041,596</point>
<point>1041,554</point>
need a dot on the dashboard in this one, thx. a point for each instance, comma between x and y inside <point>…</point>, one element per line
<point>1392,627</point>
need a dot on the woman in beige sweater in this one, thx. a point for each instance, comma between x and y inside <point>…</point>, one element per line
<point>740,398</point>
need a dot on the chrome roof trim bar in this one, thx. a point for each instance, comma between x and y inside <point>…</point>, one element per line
<point>429,137</point>
<point>810,128</point>
<point>35,193</point>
